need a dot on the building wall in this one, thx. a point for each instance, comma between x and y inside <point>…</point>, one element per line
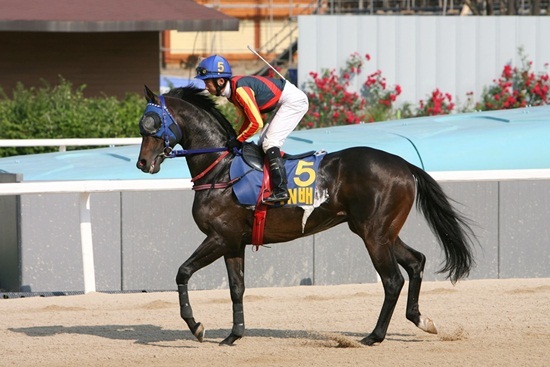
<point>248,9</point>
<point>268,26</point>
<point>458,55</point>
<point>276,36</point>
<point>108,63</point>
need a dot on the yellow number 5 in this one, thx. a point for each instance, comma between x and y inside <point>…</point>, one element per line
<point>304,168</point>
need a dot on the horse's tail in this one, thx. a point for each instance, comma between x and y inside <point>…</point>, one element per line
<point>451,228</point>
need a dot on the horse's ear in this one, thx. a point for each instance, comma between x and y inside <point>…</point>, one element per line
<point>150,96</point>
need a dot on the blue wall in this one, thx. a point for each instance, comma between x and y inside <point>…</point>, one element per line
<point>510,139</point>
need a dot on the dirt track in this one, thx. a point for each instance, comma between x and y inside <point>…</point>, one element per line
<point>482,323</point>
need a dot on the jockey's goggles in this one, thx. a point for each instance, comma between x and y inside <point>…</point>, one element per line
<point>201,71</point>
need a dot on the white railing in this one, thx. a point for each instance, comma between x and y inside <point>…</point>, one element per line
<point>85,188</point>
<point>491,175</point>
<point>64,143</point>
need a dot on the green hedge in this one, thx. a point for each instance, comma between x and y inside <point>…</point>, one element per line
<point>61,111</point>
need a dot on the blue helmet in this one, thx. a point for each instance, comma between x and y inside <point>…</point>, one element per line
<point>213,67</point>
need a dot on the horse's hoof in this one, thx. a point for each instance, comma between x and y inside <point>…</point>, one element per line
<point>230,339</point>
<point>370,341</point>
<point>199,332</point>
<point>427,325</point>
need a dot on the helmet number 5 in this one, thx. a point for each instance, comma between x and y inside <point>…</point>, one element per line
<point>221,67</point>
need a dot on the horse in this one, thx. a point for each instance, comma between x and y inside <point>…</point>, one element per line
<point>371,190</point>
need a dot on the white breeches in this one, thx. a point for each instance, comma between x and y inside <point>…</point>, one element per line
<point>293,105</point>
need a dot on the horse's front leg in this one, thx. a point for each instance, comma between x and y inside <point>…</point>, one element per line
<point>235,271</point>
<point>211,249</point>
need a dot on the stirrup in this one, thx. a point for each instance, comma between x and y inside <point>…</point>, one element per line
<point>273,200</point>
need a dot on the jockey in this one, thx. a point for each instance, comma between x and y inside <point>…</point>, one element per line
<point>253,96</point>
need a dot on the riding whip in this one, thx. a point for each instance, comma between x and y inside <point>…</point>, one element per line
<point>267,63</point>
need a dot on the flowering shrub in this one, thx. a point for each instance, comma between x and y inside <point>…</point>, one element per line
<point>516,87</point>
<point>330,103</point>
<point>438,103</point>
<point>380,98</point>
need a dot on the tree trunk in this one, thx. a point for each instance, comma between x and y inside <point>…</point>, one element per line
<point>490,7</point>
<point>511,7</point>
<point>535,7</point>
<point>472,7</point>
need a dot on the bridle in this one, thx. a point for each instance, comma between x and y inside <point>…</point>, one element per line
<point>169,130</point>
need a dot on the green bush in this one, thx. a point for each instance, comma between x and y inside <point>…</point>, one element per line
<point>61,111</point>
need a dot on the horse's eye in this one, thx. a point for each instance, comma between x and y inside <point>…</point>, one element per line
<point>150,124</point>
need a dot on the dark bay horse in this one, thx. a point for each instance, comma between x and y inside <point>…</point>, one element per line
<point>373,191</point>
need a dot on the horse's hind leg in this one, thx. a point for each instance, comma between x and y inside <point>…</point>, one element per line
<point>386,265</point>
<point>413,263</point>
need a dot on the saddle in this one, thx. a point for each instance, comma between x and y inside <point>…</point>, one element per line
<point>251,177</point>
<point>247,171</point>
<point>254,155</point>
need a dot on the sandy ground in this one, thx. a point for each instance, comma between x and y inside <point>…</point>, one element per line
<point>481,323</point>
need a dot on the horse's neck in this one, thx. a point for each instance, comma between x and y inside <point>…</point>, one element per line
<point>202,131</point>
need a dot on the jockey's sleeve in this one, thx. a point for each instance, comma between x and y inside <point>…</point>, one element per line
<point>244,96</point>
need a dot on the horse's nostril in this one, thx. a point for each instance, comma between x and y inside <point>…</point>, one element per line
<point>141,163</point>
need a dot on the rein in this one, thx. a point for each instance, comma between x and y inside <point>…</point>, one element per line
<point>209,168</point>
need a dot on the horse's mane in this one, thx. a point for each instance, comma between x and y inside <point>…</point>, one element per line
<point>195,96</point>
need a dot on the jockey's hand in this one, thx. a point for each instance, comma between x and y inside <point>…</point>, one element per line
<point>233,144</point>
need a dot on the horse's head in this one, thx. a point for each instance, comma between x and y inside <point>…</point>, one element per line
<point>160,133</point>
<point>187,117</point>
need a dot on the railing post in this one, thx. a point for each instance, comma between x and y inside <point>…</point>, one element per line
<point>86,242</point>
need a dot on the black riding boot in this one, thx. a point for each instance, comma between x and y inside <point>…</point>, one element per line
<point>279,191</point>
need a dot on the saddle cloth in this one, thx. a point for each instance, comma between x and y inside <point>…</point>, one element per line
<point>301,174</point>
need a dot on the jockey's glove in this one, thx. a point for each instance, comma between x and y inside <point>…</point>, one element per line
<point>233,144</point>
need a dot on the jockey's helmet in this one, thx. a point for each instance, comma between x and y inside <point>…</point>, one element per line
<point>213,66</point>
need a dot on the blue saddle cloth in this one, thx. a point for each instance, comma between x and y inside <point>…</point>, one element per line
<point>301,173</point>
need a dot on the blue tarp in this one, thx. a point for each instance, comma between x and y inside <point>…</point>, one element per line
<point>508,139</point>
<point>171,81</point>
